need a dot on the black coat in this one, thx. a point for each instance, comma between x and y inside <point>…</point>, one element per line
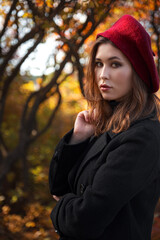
<point>110,184</point>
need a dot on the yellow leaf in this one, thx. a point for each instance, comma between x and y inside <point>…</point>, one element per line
<point>39,81</point>
<point>5,209</point>
<point>30,224</point>
<point>49,3</point>
<point>14,199</point>
<point>27,15</point>
<point>39,3</point>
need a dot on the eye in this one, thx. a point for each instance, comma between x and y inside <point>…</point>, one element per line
<point>115,64</point>
<point>98,64</point>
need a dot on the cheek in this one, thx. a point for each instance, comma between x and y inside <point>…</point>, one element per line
<point>125,79</point>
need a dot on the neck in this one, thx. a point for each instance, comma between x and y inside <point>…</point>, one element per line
<point>113,104</point>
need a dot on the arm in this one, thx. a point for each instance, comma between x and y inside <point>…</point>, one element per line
<point>127,170</point>
<point>69,150</point>
<point>64,158</point>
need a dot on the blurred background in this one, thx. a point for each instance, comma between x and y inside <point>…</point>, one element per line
<point>44,47</point>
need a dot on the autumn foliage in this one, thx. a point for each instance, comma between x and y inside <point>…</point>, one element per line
<point>35,111</point>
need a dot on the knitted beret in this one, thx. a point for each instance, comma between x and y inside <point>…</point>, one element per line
<point>131,38</point>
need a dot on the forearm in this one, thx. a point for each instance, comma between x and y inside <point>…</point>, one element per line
<point>64,158</point>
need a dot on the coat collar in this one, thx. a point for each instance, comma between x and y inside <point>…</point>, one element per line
<point>151,115</point>
<point>97,144</point>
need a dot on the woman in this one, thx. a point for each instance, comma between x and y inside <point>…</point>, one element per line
<point>105,173</point>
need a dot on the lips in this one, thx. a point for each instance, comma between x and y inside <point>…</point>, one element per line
<point>104,87</point>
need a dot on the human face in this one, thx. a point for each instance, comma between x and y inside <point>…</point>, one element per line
<point>113,72</point>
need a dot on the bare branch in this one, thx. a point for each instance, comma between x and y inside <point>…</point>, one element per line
<point>50,119</point>
<point>12,76</point>
<point>34,9</point>
<point>3,148</point>
<point>24,114</point>
<point>12,50</point>
<point>40,14</point>
<point>8,17</point>
<point>41,95</point>
<point>17,27</point>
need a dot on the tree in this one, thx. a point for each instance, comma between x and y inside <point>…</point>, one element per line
<point>72,22</point>
<point>33,20</point>
<point>24,24</point>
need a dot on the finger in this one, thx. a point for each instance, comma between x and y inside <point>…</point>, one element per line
<point>84,115</point>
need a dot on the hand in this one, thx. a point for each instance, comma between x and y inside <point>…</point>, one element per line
<point>56,198</point>
<point>83,128</point>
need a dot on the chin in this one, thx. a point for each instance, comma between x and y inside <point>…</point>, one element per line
<point>108,98</point>
<point>112,98</point>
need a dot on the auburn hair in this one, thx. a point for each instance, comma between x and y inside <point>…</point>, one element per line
<point>139,103</point>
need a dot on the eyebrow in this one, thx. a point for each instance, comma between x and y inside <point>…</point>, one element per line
<point>111,58</point>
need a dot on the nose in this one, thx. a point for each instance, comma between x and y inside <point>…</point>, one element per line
<point>104,73</point>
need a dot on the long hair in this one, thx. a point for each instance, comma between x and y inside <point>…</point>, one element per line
<point>140,102</point>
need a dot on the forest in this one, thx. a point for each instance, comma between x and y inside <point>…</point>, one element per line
<point>44,49</point>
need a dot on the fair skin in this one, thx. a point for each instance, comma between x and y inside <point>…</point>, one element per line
<point>113,74</point>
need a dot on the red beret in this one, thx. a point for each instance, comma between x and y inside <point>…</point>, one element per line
<point>131,38</point>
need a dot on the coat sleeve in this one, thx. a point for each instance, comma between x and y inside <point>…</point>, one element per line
<point>65,156</point>
<point>126,171</point>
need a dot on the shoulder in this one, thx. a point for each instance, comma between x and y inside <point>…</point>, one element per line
<point>140,143</point>
<point>147,127</point>
<point>145,130</point>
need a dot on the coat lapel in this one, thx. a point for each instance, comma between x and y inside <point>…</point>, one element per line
<point>97,147</point>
